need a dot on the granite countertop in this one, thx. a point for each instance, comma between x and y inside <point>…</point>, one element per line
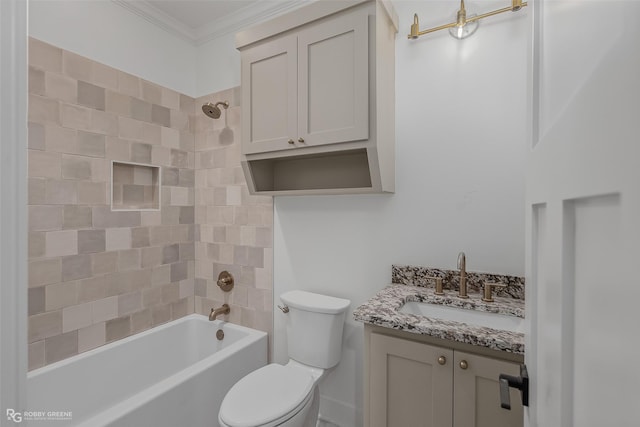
<point>382,310</point>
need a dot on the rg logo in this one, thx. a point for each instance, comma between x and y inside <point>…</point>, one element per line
<point>14,416</point>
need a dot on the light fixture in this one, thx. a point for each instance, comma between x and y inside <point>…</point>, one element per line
<point>464,25</point>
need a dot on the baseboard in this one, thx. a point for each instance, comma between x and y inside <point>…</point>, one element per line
<point>338,413</point>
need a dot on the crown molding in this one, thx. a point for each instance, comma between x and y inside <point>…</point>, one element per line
<point>228,24</point>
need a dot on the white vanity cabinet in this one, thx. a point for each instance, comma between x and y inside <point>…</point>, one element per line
<point>318,100</point>
<point>424,382</point>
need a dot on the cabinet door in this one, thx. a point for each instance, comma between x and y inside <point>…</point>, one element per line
<point>269,85</point>
<point>333,80</point>
<point>407,385</point>
<point>477,393</point>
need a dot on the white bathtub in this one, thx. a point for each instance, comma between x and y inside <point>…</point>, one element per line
<point>173,375</point>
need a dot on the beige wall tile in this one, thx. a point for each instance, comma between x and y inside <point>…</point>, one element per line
<point>92,288</point>
<point>44,56</point>
<point>36,244</point>
<point>61,295</point>
<point>61,192</point>
<point>105,76</point>
<point>59,139</point>
<point>118,328</point>
<point>44,164</point>
<point>91,337</point>
<point>141,321</point>
<point>118,239</point>
<point>61,87</point>
<point>43,110</point>
<point>160,314</point>
<point>128,84</point>
<point>76,317</point>
<point>91,241</point>
<point>60,347</point>
<point>36,81</point>
<point>60,243</point>
<point>92,193</point>
<point>44,272</point>
<point>76,66</point>
<point>91,144</point>
<point>37,191</point>
<point>129,303</point>
<point>170,99</point>
<point>118,103</point>
<point>91,95</point>
<point>36,300</point>
<point>104,262</point>
<point>45,325</point>
<point>76,167</point>
<point>36,355</point>
<point>104,122</point>
<point>76,267</point>
<point>76,117</point>
<point>129,260</point>
<point>105,309</point>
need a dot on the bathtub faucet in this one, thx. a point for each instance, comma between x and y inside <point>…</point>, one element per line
<point>215,312</point>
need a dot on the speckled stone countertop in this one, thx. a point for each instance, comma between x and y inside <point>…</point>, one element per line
<point>382,310</point>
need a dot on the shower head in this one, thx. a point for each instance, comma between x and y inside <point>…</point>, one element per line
<point>212,110</point>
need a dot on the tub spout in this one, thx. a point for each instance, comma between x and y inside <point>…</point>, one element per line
<point>215,312</point>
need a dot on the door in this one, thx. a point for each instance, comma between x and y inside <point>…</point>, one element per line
<point>269,103</point>
<point>410,383</point>
<point>583,215</point>
<point>333,80</point>
<point>476,394</point>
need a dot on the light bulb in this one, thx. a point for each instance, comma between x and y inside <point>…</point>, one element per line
<point>463,31</point>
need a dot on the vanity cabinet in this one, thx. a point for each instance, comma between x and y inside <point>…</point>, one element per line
<point>424,382</point>
<point>318,111</point>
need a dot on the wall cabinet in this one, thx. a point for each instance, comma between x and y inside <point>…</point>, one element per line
<point>413,383</point>
<point>318,100</point>
<point>308,88</point>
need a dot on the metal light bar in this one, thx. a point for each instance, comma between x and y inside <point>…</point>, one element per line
<point>462,19</point>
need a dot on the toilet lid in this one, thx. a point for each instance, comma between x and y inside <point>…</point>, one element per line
<point>265,395</point>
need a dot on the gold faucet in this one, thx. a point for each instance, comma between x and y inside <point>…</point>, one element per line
<point>215,312</point>
<point>462,266</point>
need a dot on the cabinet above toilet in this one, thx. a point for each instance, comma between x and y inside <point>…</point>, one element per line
<point>318,110</point>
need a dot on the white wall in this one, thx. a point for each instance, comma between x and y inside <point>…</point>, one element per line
<point>107,33</point>
<point>218,65</point>
<point>460,146</point>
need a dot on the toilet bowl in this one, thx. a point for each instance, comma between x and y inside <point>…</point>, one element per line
<point>287,395</point>
<point>274,395</point>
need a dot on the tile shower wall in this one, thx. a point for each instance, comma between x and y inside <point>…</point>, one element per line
<point>235,229</point>
<point>96,276</point>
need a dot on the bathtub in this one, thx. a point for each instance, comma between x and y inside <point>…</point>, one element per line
<point>173,375</point>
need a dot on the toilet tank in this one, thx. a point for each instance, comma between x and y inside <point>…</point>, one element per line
<point>314,327</point>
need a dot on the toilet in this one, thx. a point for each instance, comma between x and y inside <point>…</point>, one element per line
<point>287,395</point>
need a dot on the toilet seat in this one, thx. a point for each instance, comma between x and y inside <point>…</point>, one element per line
<point>267,397</point>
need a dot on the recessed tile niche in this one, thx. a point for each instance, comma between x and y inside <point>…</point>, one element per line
<point>135,187</point>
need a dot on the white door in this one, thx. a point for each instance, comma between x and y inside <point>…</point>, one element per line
<point>583,216</point>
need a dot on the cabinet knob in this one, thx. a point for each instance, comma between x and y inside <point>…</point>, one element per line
<point>291,142</point>
<point>300,139</point>
<point>442,360</point>
<point>464,364</point>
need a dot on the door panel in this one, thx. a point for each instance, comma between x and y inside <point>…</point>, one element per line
<point>583,205</point>
<point>269,85</point>
<point>476,392</point>
<point>408,387</point>
<point>333,94</point>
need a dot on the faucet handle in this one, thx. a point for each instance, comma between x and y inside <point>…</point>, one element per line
<point>438,284</point>
<point>487,290</point>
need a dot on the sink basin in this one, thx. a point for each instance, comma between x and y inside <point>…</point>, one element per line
<point>471,317</point>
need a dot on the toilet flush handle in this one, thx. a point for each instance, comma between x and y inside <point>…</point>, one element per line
<point>284,309</point>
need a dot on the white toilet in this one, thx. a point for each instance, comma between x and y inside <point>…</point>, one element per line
<point>287,396</point>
